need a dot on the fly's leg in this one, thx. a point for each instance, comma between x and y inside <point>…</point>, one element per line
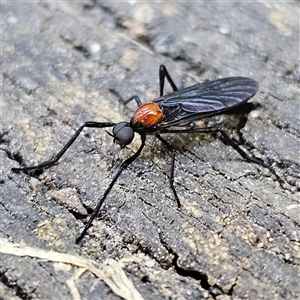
<point>251,159</point>
<point>163,73</point>
<point>232,143</point>
<point>56,157</point>
<point>135,98</point>
<point>171,178</point>
<point>123,166</point>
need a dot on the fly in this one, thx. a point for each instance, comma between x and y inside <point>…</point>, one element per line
<point>173,113</point>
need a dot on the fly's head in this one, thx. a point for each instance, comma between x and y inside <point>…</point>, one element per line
<point>123,134</point>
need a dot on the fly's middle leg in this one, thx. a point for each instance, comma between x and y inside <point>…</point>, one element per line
<point>135,98</point>
<point>171,178</point>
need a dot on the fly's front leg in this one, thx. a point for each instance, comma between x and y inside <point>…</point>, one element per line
<point>171,178</point>
<point>163,73</point>
<point>57,156</point>
<point>123,166</point>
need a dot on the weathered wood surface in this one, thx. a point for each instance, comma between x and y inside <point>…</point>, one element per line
<point>237,234</point>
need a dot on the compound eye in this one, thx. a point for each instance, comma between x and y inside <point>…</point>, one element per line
<point>123,134</point>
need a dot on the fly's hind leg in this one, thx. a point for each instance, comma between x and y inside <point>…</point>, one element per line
<point>233,144</point>
<point>163,73</point>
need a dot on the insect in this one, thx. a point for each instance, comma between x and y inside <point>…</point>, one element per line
<point>173,113</point>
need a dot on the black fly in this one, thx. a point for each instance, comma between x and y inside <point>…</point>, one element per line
<point>173,113</point>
